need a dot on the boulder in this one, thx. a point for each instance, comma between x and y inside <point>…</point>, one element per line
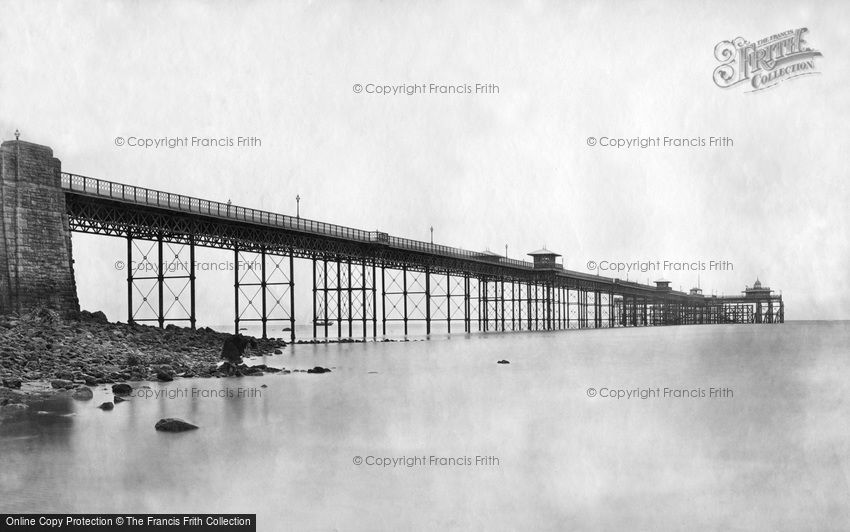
<point>122,389</point>
<point>318,369</point>
<point>83,393</point>
<point>233,348</point>
<point>99,316</point>
<point>118,399</point>
<point>229,369</point>
<point>165,375</point>
<point>60,384</point>
<point>12,383</point>
<point>173,424</point>
<point>106,406</point>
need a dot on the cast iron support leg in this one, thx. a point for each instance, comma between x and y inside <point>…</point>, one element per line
<point>383,300</point>
<point>129,278</point>
<point>264,316</point>
<point>466,306</point>
<point>404,293</point>
<point>291,297</point>
<point>236,290</point>
<point>315,332</point>
<point>325,293</point>
<point>192,315</point>
<point>427,300</point>
<point>339,299</point>
<point>363,295</point>
<point>350,304</point>
<point>160,280</point>
<point>448,303</point>
<point>502,301</point>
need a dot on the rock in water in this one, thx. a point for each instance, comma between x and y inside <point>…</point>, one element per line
<point>122,389</point>
<point>12,383</point>
<point>319,369</point>
<point>229,369</point>
<point>61,383</point>
<point>83,393</point>
<point>118,399</point>
<point>233,348</point>
<point>503,362</point>
<point>173,424</point>
<point>106,406</point>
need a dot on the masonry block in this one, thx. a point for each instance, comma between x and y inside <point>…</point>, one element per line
<point>36,265</point>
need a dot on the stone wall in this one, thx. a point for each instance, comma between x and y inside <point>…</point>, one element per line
<point>36,266</point>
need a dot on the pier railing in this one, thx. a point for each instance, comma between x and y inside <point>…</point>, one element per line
<point>92,186</point>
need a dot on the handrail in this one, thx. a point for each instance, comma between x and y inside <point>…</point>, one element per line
<point>145,196</point>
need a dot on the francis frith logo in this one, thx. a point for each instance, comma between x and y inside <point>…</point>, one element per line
<point>765,63</point>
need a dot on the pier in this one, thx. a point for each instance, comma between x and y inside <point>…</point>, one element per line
<point>361,280</point>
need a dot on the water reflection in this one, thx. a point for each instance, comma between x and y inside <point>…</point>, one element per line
<point>771,457</point>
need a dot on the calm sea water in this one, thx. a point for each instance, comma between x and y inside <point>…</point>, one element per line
<point>773,455</point>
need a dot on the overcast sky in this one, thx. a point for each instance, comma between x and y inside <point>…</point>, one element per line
<point>484,170</point>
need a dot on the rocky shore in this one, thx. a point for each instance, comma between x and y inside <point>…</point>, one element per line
<point>89,350</point>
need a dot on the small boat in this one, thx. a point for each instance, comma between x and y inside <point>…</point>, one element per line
<point>322,323</point>
<point>286,329</point>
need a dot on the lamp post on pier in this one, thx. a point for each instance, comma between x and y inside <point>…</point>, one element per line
<point>432,234</point>
<point>298,206</point>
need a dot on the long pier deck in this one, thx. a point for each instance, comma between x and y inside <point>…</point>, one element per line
<point>361,280</point>
<point>495,292</point>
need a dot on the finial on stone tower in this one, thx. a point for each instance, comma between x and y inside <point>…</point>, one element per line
<point>17,134</point>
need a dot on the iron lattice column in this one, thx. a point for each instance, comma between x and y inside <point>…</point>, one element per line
<point>235,290</point>
<point>404,295</point>
<point>161,282</point>
<point>427,300</point>
<point>192,315</point>
<point>383,300</point>
<point>483,305</point>
<point>448,303</point>
<point>291,296</point>
<point>597,310</point>
<point>153,260</point>
<point>315,290</point>
<point>467,318</point>
<point>130,269</point>
<point>502,302</point>
<point>325,294</point>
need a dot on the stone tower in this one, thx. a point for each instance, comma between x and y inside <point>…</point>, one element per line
<point>36,267</point>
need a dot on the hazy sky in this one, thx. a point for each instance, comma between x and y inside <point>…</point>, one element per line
<point>484,169</point>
